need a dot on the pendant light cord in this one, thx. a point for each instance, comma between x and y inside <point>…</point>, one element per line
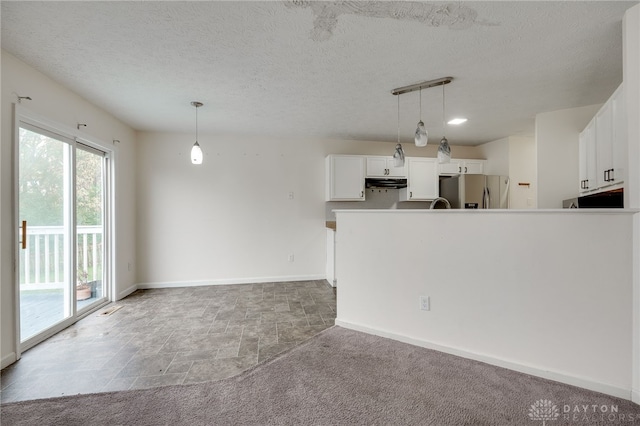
<point>196,123</point>
<point>398,118</point>
<point>443,119</point>
<point>421,104</point>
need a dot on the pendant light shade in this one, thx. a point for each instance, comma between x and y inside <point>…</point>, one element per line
<point>444,150</point>
<point>398,154</point>
<point>421,136</point>
<point>196,152</point>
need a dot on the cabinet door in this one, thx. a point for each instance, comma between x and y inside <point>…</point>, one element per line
<point>376,166</point>
<point>397,172</point>
<point>452,168</point>
<point>422,180</point>
<point>384,167</point>
<point>345,175</point>
<point>620,144</point>
<point>473,167</point>
<point>604,144</point>
<point>587,151</point>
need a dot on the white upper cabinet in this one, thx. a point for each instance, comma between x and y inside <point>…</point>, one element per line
<point>620,142</point>
<point>587,162</point>
<point>381,167</point>
<point>454,167</point>
<point>461,167</point>
<point>422,179</point>
<point>344,178</point>
<point>603,146</point>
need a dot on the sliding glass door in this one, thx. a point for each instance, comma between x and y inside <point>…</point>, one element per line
<point>44,197</point>
<point>61,193</point>
<point>90,197</point>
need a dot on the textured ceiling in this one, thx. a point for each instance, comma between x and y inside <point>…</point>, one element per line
<point>324,69</point>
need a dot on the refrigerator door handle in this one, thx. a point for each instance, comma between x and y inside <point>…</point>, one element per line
<point>486,198</point>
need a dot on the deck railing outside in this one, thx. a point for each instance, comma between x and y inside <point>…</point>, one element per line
<point>42,263</point>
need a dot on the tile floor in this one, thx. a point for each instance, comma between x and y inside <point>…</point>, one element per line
<point>172,336</point>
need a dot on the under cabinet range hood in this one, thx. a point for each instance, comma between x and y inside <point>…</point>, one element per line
<point>385,183</point>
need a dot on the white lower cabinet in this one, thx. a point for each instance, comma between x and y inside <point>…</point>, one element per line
<point>422,180</point>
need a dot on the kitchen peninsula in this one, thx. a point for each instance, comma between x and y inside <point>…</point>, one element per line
<point>521,289</point>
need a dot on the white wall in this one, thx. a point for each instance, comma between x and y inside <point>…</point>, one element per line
<point>56,103</point>
<point>631,78</point>
<point>523,290</point>
<point>497,155</point>
<point>515,157</point>
<point>522,169</point>
<point>557,148</point>
<point>231,220</point>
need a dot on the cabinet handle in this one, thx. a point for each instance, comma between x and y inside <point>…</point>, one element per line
<point>361,194</point>
<point>459,169</point>
<point>611,175</point>
<point>410,194</point>
<point>465,169</point>
<point>606,172</point>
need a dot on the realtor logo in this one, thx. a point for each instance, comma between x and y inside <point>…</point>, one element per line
<point>544,410</point>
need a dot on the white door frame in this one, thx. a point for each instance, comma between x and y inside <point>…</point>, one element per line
<point>24,115</point>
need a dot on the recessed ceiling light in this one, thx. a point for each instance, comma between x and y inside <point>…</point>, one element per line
<point>457,121</point>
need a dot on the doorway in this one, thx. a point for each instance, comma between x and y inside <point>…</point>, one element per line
<point>62,187</point>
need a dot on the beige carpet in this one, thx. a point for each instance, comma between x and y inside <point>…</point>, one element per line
<point>342,377</point>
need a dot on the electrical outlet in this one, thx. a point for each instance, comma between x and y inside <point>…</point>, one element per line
<point>291,257</point>
<point>424,303</point>
<point>291,195</point>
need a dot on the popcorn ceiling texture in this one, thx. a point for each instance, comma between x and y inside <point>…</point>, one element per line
<point>307,69</point>
<point>452,15</point>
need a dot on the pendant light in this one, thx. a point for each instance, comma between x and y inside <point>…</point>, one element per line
<point>398,154</point>
<point>422,136</point>
<point>444,150</point>
<point>196,151</point>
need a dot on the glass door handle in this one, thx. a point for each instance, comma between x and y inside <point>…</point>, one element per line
<point>23,243</point>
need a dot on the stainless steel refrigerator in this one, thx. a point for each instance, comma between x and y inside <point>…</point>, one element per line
<point>476,191</point>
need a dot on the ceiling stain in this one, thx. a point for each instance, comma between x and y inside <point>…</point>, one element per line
<point>452,15</point>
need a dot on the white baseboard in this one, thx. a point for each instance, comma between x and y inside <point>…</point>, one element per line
<point>522,368</point>
<point>126,292</point>
<point>8,360</point>
<point>635,396</point>
<point>252,280</point>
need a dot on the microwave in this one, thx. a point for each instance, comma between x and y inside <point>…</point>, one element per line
<point>613,199</point>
